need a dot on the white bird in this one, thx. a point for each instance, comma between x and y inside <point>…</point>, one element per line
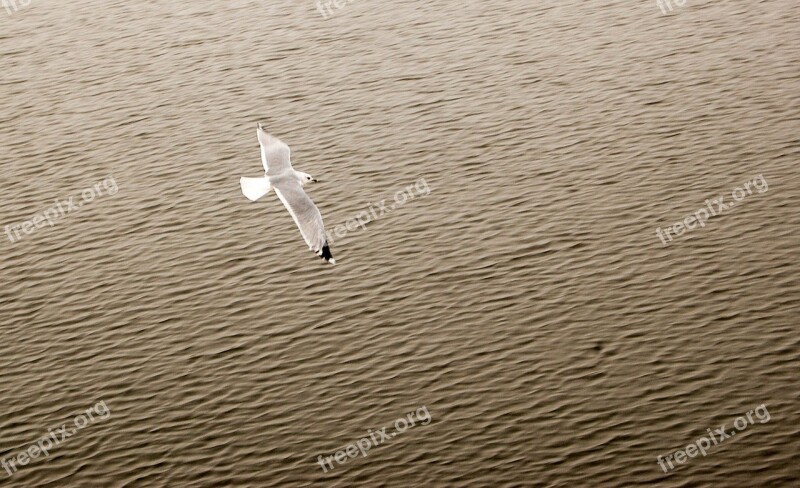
<point>288,185</point>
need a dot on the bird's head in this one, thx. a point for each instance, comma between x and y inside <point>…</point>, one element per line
<point>306,178</point>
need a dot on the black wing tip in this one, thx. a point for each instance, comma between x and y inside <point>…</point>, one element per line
<point>326,254</point>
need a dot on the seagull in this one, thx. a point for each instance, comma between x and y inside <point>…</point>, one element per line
<point>288,185</point>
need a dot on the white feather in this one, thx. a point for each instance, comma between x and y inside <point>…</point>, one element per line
<point>254,188</point>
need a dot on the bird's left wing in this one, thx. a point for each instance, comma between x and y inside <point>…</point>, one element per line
<point>275,154</point>
<point>307,217</point>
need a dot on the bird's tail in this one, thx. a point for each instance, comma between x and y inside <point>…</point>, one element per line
<point>254,188</point>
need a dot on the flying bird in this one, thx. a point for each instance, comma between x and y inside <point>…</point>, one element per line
<point>288,185</point>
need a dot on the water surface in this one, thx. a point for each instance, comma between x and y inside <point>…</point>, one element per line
<point>527,301</point>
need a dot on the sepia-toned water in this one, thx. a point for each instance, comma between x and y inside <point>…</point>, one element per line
<point>524,299</point>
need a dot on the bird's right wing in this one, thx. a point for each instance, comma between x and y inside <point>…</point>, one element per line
<point>275,154</point>
<point>307,217</point>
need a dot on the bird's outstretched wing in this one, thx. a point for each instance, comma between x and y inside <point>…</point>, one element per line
<point>307,217</point>
<point>275,154</point>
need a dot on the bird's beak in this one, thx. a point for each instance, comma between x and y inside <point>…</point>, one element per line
<point>314,180</point>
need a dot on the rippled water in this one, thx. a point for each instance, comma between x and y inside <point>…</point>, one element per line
<point>526,302</point>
